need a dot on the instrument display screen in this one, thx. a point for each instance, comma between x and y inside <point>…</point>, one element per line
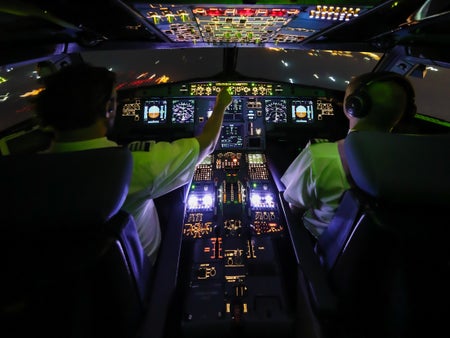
<point>155,111</point>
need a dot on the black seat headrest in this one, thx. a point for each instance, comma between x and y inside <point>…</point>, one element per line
<point>401,168</point>
<point>81,188</point>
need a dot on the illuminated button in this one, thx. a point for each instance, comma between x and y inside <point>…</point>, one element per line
<point>170,17</point>
<point>184,17</point>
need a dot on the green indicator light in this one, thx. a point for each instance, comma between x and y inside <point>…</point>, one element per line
<point>432,120</point>
<point>184,17</point>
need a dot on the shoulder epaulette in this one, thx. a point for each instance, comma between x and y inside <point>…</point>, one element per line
<point>319,140</point>
<point>140,145</point>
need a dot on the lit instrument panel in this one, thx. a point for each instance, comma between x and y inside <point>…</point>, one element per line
<point>183,111</point>
<point>276,111</point>
<point>233,226</point>
<point>242,24</point>
<point>234,88</point>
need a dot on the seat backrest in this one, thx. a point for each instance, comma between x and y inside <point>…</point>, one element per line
<point>78,189</point>
<point>72,261</point>
<point>391,271</point>
<point>401,169</point>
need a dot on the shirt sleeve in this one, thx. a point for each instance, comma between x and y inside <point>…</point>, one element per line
<point>166,166</point>
<point>299,180</point>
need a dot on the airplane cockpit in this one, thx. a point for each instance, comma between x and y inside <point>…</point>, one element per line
<point>235,260</point>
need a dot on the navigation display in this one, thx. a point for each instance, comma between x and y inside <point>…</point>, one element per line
<point>276,111</point>
<point>183,111</point>
<point>155,111</point>
<point>302,111</point>
<point>231,136</point>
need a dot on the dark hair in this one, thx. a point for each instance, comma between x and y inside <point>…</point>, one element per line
<point>75,96</point>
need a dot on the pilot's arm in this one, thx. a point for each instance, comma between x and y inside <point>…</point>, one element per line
<point>211,131</point>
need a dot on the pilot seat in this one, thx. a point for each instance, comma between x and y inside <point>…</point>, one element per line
<point>386,251</point>
<point>72,262</point>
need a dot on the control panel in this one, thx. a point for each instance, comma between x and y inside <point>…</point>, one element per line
<point>237,270</point>
<point>257,109</point>
<point>235,258</point>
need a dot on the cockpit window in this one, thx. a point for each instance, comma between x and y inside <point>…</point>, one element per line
<point>151,67</point>
<point>18,84</point>
<point>325,68</point>
<point>432,92</point>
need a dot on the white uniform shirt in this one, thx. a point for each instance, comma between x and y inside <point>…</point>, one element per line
<point>162,168</point>
<point>315,182</point>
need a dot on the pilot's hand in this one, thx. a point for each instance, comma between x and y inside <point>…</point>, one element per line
<point>223,98</point>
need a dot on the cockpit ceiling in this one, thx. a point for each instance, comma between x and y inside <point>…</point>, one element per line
<point>230,23</point>
<point>243,24</point>
<point>32,28</point>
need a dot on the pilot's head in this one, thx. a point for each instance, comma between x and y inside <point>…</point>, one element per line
<point>378,101</point>
<point>76,97</point>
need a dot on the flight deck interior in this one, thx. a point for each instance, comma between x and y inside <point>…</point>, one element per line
<point>236,264</point>
<point>236,256</point>
<point>235,260</point>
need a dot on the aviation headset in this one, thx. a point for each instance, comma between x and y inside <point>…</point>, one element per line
<point>358,103</point>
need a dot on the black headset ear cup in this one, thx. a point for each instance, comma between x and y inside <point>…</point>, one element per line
<point>358,104</point>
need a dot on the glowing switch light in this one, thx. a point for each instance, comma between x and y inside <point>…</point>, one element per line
<point>207,201</point>
<point>156,18</point>
<point>246,12</point>
<point>184,17</point>
<point>255,199</point>
<point>170,17</point>
<point>193,202</point>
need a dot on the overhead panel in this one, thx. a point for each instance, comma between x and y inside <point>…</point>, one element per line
<point>244,24</point>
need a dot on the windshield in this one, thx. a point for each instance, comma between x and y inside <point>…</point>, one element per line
<point>150,67</point>
<point>329,69</point>
<point>432,93</point>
